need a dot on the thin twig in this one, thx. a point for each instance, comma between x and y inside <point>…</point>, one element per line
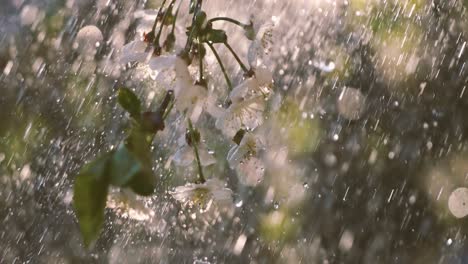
<point>228,81</point>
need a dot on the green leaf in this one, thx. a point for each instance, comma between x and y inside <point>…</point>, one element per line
<point>143,183</point>
<point>215,36</point>
<point>130,102</point>
<point>124,166</point>
<point>138,142</point>
<point>90,196</point>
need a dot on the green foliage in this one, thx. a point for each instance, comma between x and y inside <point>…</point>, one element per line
<point>127,166</point>
<point>130,102</point>
<point>215,36</point>
<point>124,166</point>
<point>143,182</point>
<point>90,196</point>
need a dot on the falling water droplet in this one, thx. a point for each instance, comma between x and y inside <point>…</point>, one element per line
<point>449,242</point>
<point>276,205</point>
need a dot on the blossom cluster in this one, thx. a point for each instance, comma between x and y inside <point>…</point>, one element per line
<point>175,67</point>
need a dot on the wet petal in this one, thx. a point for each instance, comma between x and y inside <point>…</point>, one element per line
<point>250,171</point>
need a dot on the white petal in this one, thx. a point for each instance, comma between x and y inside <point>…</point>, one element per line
<point>223,196</point>
<point>255,54</point>
<point>220,194</point>
<point>206,158</point>
<point>240,91</point>
<point>264,76</point>
<point>212,108</point>
<point>250,172</point>
<point>181,69</point>
<point>135,51</point>
<point>196,112</point>
<point>184,156</point>
<point>162,63</point>
<point>149,14</point>
<point>235,155</point>
<point>187,95</point>
<point>247,114</point>
<point>183,193</point>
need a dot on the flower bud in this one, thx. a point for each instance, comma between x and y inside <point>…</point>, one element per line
<point>192,137</point>
<point>169,42</point>
<point>152,121</point>
<point>249,31</point>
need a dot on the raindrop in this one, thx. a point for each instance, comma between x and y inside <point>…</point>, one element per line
<point>336,137</point>
<point>449,242</point>
<point>325,66</point>
<point>29,15</point>
<point>346,241</point>
<point>88,39</point>
<point>350,103</point>
<point>239,203</point>
<point>276,205</point>
<point>458,202</point>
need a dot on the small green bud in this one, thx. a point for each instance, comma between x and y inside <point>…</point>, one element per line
<point>169,42</point>
<point>193,137</point>
<point>215,36</point>
<point>249,31</point>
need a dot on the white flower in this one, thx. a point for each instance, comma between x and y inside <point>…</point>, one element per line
<point>166,63</point>
<point>126,204</point>
<point>248,146</point>
<point>250,169</point>
<point>172,72</point>
<point>136,51</point>
<point>203,194</point>
<point>247,114</point>
<point>261,45</point>
<point>190,98</point>
<point>146,19</point>
<point>163,69</point>
<point>260,83</point>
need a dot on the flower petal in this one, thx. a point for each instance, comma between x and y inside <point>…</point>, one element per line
<point>135,51</point>
<point>251,171</point>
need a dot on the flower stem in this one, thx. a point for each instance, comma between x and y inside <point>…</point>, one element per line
<point>157,16</point>
<point>175,17</point>
<point>201,62</point>
<point>228,19</point>
<point>242,65</point>
<point>221,65</point>
<point>163,20</point>
<point>167,104</point>
<point>188,45</point>
<point>201,178</point>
